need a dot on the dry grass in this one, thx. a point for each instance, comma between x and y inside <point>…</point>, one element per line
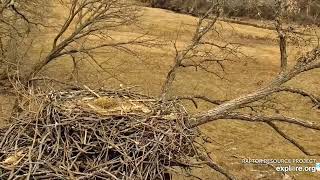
<point>6,103</point>
<point>232,138</point>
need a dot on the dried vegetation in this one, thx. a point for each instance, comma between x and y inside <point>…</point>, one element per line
<point>104,134</point>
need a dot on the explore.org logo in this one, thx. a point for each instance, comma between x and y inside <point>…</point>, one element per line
<point>288,165</point>
<point>290,168</point>
<point>318,166</point>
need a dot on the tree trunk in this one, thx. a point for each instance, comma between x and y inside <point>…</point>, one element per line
<point>36,69</point>
<point>308,8</point>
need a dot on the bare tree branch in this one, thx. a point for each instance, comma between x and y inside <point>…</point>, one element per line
<point>291,140</point>
<point>90,18</point>
<point>312,97</point>
<point>71,85</point>
<point>217,168</point>
<point>282,36</point>
<point>271,118</point>
<point>200,97</point>
<point>305,63</point>
<point>270,121</point>
<point>212,16</point>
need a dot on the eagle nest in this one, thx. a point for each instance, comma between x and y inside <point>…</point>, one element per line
<point>102,134</point>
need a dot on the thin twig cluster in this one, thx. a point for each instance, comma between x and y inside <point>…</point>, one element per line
<point>67,140</point>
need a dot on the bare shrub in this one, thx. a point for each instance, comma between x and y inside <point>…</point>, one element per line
<point>87,20</point>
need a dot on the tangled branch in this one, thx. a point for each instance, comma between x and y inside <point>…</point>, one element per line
<point>119,134</point>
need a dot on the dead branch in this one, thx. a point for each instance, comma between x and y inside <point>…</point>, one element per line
<point>181,55</point>
<point>282,36</point>
<point>71,85</point>
<point>91,19</point>
<point>270,118</point>
<point>217,167</point>
<point>305,63</point>
<point>291,140</point>
<point>270,121</point>
<point>312,97</point>
<point>193,99</point>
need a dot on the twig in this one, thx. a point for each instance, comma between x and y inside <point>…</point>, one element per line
<point>291,140</point>
<point>217,168</point>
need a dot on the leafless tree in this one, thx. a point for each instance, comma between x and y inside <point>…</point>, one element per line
<point>202,52</point>
<point>86,20</point>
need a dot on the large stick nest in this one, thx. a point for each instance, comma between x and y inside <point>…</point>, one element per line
<point>103,134</point>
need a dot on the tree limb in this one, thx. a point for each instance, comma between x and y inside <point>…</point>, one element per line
<point>217,168</point>
<point>90,17</point>
<point>192,98</point>
<point>266,119</point>
<point>201,30</point>
<point>282,37</point>
<point>291,140</point>
<point>312,97</point>
<point>305,63</point>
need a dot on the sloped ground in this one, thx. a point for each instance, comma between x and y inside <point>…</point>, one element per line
<point>233,140</point>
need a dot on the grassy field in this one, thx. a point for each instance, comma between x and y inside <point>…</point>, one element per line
<point>233,140</point>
